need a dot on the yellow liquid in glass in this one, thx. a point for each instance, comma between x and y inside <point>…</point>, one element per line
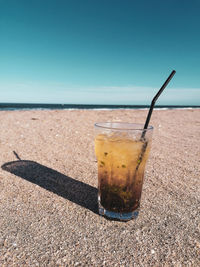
<point>121,164</point>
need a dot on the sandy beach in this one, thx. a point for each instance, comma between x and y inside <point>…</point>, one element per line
<point>48,192</point>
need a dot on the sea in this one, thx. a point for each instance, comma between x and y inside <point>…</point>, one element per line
<point>31,106</point>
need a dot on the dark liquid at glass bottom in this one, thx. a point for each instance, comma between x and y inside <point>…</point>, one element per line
<point>119,199</point>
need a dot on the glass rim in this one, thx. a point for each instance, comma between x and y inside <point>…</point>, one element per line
<point>135,126</point>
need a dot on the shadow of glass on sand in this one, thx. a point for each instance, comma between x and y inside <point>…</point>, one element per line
<point>58,183</point>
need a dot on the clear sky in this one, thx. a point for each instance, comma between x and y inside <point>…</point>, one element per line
<point>99,51</point>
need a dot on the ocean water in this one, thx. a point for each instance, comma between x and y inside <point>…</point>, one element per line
<point>27,106</point>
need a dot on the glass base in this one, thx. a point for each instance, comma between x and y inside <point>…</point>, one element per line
<point>117,215</point>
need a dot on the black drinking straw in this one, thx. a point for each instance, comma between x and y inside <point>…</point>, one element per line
<point>154,101</point>
<point>148,119</point>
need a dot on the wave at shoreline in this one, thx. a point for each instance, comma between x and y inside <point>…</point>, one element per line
<point>26,106</point>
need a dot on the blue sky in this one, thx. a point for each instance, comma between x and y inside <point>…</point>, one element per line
<point>99,51</point>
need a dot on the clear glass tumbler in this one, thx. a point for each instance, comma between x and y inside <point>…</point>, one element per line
<point>122,150</point>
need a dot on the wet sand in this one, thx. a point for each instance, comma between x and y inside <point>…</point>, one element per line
<point>48,192</point>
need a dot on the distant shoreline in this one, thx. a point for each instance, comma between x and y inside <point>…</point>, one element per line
<point>28,106</point>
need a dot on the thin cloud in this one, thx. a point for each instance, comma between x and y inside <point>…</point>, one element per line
<point>61,93</point>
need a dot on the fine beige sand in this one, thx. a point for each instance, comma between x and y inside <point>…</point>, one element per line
<point>48,192</point>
